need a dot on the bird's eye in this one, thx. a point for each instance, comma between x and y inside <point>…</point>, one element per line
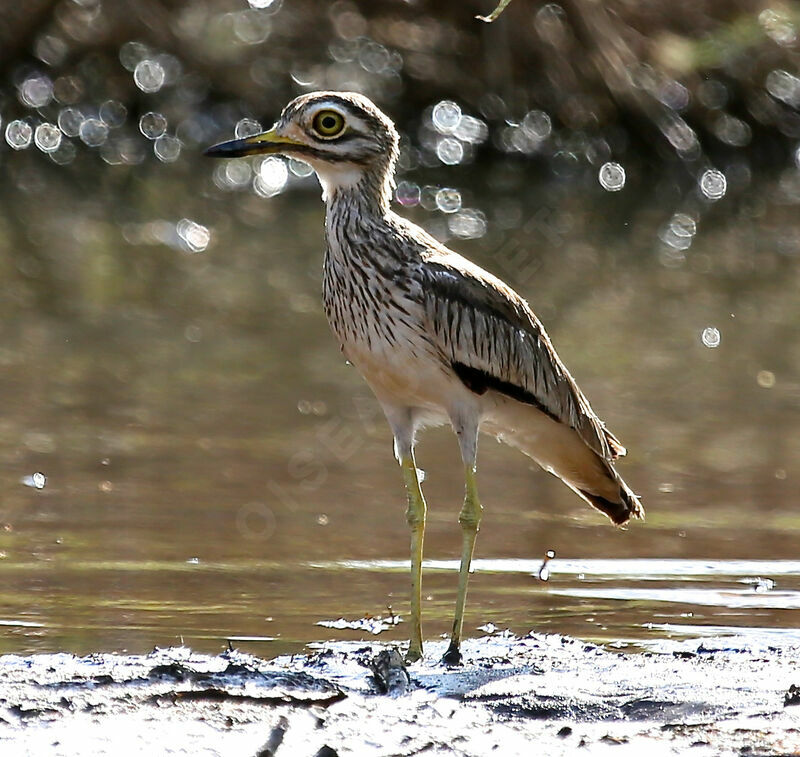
<point>328,123</point>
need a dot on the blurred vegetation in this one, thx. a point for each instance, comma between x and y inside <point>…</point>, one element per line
<point>120,95</point>
<point>707,76</point>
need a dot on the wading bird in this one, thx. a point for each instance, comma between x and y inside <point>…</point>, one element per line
<point>437,338</point>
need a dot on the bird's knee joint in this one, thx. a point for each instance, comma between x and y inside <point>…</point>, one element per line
<point>470,520</point>
<point>471,513</point>
<point>469,523</point>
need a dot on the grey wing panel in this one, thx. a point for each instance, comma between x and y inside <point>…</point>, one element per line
<point>494,341</point>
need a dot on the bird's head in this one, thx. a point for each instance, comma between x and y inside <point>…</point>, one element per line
<point>343,136</point>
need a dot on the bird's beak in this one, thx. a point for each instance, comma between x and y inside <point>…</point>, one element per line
<point>266,142</point>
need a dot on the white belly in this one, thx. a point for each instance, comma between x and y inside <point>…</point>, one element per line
<point>404,372</point>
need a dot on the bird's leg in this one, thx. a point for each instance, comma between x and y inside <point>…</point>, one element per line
<point>415,514</point>
<point>470,519</point>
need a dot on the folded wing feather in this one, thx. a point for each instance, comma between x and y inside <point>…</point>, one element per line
<point>493,340</point>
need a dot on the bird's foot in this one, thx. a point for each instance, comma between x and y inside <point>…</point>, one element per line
<point>414,653</point>
<point>452,657</point>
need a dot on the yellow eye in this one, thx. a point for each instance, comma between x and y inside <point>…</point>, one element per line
<point>328,123</point>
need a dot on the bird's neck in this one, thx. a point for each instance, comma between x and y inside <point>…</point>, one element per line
<point>358,223</point>
<point>356,204</point>
<point>344,184</point>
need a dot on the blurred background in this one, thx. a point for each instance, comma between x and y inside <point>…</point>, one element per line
<point>184,455</point>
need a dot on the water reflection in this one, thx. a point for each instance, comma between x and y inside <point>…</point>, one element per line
<point>252,602</point>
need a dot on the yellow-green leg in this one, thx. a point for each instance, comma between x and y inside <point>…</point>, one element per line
<point>470,519</point>
<point>415,514</point>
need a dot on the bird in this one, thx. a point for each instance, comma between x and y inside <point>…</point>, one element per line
<point>438,339</point>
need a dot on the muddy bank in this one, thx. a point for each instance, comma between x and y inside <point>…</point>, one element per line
<point>715,696</point>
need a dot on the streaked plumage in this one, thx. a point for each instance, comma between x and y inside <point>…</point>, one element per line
<point>437,338</point>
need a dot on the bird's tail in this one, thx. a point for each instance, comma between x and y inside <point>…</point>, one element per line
<point>561,450</point>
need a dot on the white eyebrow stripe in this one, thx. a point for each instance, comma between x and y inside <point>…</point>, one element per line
<point>351,120</point>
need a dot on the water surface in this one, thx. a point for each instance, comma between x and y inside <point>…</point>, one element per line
<point>215,470</point>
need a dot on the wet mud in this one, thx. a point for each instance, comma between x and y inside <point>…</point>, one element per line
<point>562,695</point>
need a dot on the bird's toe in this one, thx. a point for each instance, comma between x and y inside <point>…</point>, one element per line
<point>452,657</point>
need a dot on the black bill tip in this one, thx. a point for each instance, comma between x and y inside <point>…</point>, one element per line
<point>235,148</point>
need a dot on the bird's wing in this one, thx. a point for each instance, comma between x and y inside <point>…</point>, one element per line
<point>493,340</point>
